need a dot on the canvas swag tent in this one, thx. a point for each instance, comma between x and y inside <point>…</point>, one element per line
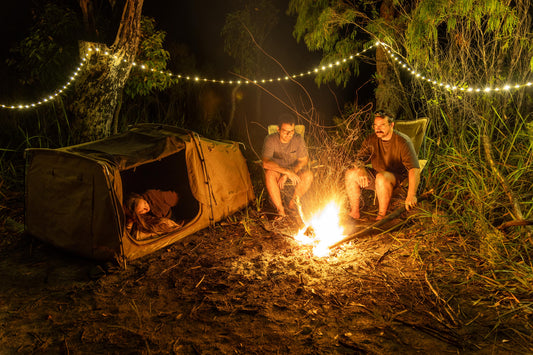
<point>74,195</point>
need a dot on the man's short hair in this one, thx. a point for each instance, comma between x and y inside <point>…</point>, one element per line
<point>384,114</point>
<point>286,118</point>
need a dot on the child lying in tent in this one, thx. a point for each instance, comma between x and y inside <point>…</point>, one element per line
<point>149,214</point>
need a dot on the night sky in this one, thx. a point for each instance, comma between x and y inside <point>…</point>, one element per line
<point>15,17</point>
<point>199,23</point>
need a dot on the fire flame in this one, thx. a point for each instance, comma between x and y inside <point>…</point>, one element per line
<point>326,227</point>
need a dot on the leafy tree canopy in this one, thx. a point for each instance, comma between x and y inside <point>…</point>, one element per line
<point>337,28</point>
<point>44,57</point>
<point>154,56</point>
<point>50,47</point>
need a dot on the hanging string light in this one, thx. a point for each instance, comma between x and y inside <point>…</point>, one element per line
<point>52,96</point>
<point>450,87</point>
<point>322,68</point>
<point>259,81</point>
<point>191,78</point>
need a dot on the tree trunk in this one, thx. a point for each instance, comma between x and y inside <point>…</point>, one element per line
<point>387,94</point>
<point>233,109</point>
<point>100,84</point>
<point>87,10</point>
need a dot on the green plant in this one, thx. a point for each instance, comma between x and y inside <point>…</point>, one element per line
<point>153,56</point>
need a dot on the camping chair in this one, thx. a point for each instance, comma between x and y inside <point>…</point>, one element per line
<point>299,128</point>
<point>416,130</point>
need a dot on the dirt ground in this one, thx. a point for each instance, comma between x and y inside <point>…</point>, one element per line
<point>236,288</point>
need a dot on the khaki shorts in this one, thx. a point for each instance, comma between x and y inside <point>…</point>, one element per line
<point>372,179</point>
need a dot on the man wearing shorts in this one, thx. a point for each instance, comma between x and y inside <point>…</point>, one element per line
<point>393,159</point>
<point>285,156</point>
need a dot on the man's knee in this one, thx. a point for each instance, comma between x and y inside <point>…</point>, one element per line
<point>385,180</point>
<point>350,174</point>
<point>271,175</point>
<point>306,177</point>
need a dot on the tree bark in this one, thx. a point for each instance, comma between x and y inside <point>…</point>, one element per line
<point>233,109</point>
<point>100,85</point>
<point>88,16</point>
<point>387,97</point>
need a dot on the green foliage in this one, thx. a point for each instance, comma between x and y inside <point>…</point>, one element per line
<point>154,56</point>
<point>336,28</point>
<point>439,25</point>
<point>483,161</point>
<point>50,47</point>
<point>483,176</point>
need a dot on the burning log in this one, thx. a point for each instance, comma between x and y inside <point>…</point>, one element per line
<point>375,226</point>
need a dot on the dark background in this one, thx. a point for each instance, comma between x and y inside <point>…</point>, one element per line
<point>198,24</point>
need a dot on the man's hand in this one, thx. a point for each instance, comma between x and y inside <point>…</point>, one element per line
<point>362,178</point>
<point>410,202</point>
<point>292,176</point>
<point>281,182</point>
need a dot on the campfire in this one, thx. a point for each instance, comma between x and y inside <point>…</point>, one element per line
<point>322,230</point>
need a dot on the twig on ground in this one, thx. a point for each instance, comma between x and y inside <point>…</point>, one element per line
<point>376,226</point>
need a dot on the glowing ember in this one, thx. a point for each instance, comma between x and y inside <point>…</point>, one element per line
<point>326,230</point>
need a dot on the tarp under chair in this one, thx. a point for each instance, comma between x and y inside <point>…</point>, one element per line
<point>74,195</point>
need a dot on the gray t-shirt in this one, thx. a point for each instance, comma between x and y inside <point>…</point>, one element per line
<point>284,154</point>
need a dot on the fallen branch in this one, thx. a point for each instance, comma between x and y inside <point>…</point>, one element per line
<point>515,223</point>
<point>373,227</point>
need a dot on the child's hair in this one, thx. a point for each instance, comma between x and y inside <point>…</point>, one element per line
<point>130,208</point>
<point>145,224</point>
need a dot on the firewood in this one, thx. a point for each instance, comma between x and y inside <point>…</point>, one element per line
<point>375,226</point>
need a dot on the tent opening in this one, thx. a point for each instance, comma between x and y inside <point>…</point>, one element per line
<point>169,173</point>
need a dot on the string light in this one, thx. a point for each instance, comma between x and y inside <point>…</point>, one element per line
<point>454,88</point>
<point>257,81</point>
<point>52,96</point>
<point>322,68</point>
<point>190,78</point>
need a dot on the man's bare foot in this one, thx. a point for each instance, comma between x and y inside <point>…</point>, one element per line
<point>379,217</point>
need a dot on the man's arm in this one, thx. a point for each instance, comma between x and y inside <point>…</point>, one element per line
<point>300,164</point>
<point>414,180</point>
<point>271,165</point>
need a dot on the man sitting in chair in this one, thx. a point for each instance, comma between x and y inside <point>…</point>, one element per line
<point>393,159</point>
<point>285,157</point>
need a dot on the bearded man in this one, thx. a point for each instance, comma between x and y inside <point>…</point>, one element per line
<point>393,159</point>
